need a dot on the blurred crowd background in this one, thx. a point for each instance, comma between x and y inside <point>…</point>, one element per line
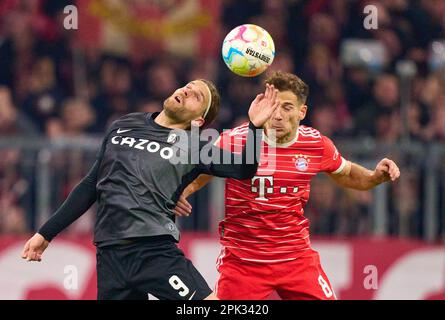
<point>56,89</point>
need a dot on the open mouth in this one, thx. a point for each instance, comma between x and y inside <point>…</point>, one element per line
<point>178,99</point>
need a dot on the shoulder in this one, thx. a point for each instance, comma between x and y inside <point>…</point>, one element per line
<point>128,120</point>
<point>237,131</point>
<point>314,137</point>
<point>233,136</point>
<point>132,118</point>
<point>309,133</point>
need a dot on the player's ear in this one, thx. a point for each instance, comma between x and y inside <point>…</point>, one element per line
<point>198,122</point>
<point>302,112</point>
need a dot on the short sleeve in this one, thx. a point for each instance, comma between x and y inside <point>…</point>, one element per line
<point>332,161</point>
<point>233,140</point>
<point>224,141</point>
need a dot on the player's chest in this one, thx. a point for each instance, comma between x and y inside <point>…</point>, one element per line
<point>143,143</point>
<point>281,174</point>
<point>290,164</point>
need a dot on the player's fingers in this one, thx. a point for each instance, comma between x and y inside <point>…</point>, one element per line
<point>258,98</point>
<point>274,94</point>
<point>392,165</point>
<point>383,166</point>
<point>387,162</point>
<point>34,256</point>
<point>187,204</point>
<point>392,168</point>
<point>394,173</point>
<point>275,106</point>
<point>25,250</point>
<point>180,212</point>
<point>388,166</point>
<point>184,207</point>
<point>31,255</point>
<point>183,200</point>
<point>267,93</point>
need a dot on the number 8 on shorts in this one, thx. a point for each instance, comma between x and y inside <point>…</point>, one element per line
<point>325,286</point>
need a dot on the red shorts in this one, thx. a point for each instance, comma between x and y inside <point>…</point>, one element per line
<point>299,279</point>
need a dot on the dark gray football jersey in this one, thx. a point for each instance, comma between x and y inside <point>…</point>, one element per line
<point>139,179</point>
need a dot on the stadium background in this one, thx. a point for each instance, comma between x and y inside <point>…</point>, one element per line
<point>60,88</point>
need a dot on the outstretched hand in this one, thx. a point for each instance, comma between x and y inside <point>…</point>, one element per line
<point>34,248</point>
<point>263,106</point>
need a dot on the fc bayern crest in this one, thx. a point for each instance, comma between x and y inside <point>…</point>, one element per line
<point>301,163</point>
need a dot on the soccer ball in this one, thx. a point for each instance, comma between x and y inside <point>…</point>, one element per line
<point>248,50</point>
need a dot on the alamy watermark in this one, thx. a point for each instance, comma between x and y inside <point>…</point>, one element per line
<point>371,21</point>
<point>71,279</point>
<point>71,20</point>
<point>370,282</point>
<point>205,147</point>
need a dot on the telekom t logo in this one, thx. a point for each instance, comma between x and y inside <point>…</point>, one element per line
<point>261,187</point>
<point>264,185</point>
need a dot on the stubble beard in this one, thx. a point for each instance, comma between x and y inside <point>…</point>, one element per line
<point>172,113</point>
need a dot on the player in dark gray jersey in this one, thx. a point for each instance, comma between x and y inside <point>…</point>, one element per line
<point>137,180</point>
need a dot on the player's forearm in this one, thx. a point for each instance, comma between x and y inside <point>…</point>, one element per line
<point>244,165</point>
<point>196,185</point>
<point>359,178</point>
<point>78,202</point>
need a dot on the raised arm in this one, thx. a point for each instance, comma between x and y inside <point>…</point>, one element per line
<point>357,177</point>
<point>245,165</point>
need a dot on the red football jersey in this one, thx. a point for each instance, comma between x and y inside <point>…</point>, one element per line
<point>264,218</point>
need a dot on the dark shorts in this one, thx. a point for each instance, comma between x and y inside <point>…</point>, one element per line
<point>157,267</point>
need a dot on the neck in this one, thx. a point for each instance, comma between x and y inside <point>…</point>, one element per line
<point>163,120</point>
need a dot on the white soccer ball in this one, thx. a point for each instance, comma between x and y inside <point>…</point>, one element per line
<point>248,50</point>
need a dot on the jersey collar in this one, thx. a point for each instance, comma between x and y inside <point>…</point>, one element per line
<point>151,121</point>
<point>280,145</point>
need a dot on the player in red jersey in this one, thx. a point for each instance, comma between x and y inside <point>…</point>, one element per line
<point>265,235</point>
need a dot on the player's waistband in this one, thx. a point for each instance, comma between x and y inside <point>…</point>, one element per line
<point>137,240</point>
<point>229,253</point>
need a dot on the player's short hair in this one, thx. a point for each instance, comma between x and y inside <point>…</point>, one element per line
<point>214,106</point>
<point>284,81</point>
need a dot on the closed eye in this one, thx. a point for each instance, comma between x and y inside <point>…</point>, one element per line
<point>287,106</point>
<point>195,93</point>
